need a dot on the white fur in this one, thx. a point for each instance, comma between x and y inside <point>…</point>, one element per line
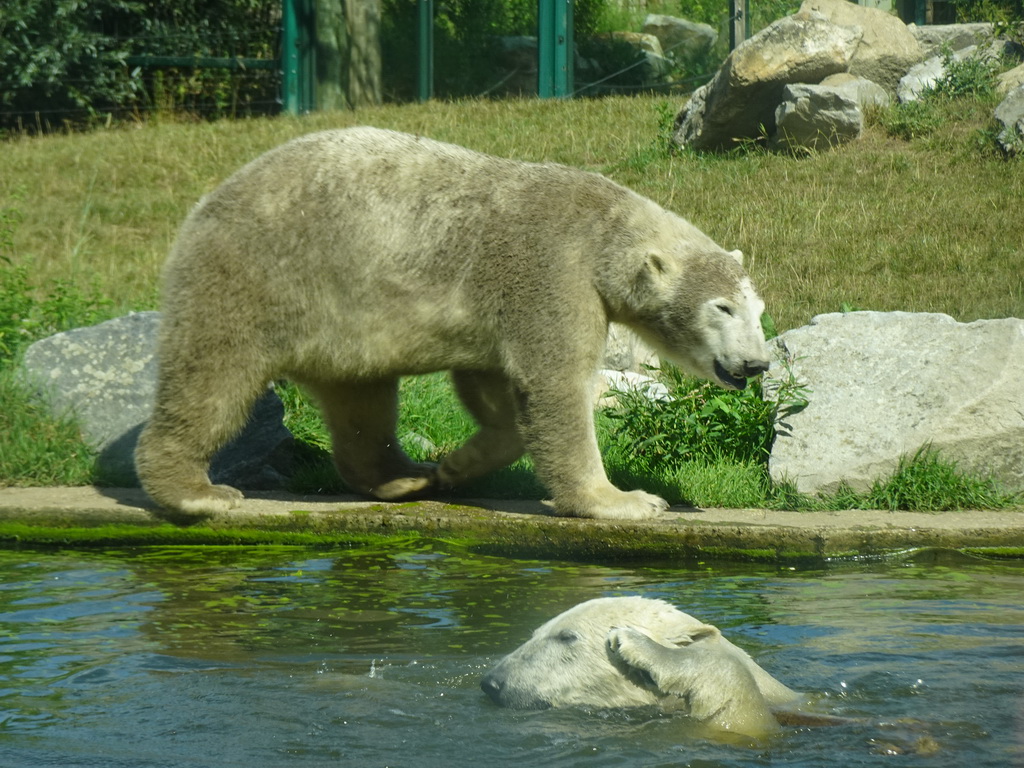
<point>347,259</point>
<point>633,651</point>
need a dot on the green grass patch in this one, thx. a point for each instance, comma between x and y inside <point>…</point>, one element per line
<point>35,448</point>
<point>926,482</point>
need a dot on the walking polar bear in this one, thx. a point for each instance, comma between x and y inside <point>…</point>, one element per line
<point>345,259</point>
<point>633,651</point>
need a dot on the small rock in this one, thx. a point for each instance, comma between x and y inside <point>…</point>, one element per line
<point>816,117</point>
<point>863,91</point>
<point>1009,116</point>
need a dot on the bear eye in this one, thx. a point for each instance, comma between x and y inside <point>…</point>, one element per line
<point>724,308</point>
<point>567,636</point>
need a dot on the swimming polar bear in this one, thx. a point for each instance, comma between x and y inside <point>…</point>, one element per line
<point>345,259</point>
<point>634,651</point>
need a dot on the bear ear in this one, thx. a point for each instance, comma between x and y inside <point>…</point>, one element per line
<point>738,255</point>
<point>655,263</point>
<point>658,264</point>
<point>688,634</point>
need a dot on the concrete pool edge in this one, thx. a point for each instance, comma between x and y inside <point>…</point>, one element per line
<point>89,516</point>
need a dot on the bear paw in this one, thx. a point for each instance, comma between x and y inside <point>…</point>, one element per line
<point>214,499</point>
<point>625,505</point>
<point>626,643</point>
<point>421,483</point>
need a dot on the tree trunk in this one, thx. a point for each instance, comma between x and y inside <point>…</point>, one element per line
<point>348,59</point>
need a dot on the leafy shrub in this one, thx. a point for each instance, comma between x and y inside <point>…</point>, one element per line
<point>699,422</point>
<point>216,28</point>
<point>66,61</point>
<point>970,80</point>
<point>63,59</point>
<point>996,11</point>
<point>971,76</point>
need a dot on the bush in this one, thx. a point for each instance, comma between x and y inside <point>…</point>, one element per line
<point>910,120</point>
<point>66,61</point>
<point>697,422</point>
<point>972,78</point>
<point>63,60</point>
<point>969,77</point>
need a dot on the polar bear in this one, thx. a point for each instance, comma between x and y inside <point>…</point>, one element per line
<point>345,259</point>
<point>635,651</point>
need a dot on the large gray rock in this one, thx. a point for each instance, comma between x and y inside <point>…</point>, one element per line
<point>1009,117</point>
<point>816,117</point>
<point>656,66</point>
<point>681,40</point>
<point>740,101</point>
<point>936,38</point>
<point>886,48</point>
<point>882,385</point>
<point>105,376</point>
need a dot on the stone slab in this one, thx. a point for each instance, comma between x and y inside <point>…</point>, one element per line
<point>124,517</point>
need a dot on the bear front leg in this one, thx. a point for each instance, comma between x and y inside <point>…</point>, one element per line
<point>362,418</point>
<point>557,424</point>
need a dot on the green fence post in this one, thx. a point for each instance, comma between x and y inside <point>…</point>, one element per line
<point>425,35</point>
<point>298,62</point>
<point>921,13</point>
<point>554,48</point>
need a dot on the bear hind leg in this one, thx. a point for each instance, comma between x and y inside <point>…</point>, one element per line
<point>172,458</point>
<point>362,418</point>
<point>488,396</point>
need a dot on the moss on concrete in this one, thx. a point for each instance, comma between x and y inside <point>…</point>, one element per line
<point>83,517</point>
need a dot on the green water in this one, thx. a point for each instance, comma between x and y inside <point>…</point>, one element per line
<point>283,657</point>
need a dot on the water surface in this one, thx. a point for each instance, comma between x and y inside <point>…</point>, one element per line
<point>276,657</point>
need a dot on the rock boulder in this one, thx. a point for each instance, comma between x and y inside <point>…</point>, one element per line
<point>866,93</point>
<point>681,40</point>
<point>936,38</point>
<point>739,103</point>
<point>1009,117</point>
<point>816,117</point>
<point>886,48</point>
<point>884,384</point>
<point>1010,79</point>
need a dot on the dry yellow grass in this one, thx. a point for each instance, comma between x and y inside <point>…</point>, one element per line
<point>932,225</point>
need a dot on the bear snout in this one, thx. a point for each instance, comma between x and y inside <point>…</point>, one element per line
<point>754,367</point>
<point>497,690</point>
<point>492,687</point>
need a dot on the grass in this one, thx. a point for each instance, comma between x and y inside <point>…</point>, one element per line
<point>921,224</point>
